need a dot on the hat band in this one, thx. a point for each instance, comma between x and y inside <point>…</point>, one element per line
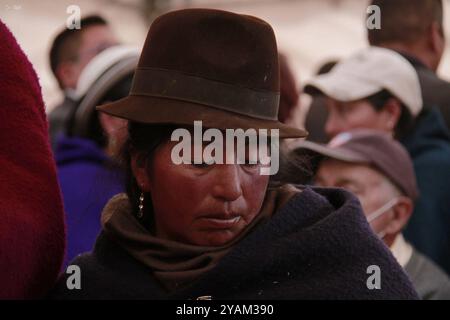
<point>171,84</point>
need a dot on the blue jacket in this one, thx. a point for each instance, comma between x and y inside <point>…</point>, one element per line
<point>88,179</point>
<point>429,226</point>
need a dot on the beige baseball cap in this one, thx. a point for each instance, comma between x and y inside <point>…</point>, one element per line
<point>368,72</point>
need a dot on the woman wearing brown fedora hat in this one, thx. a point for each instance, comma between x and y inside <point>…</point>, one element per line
<point>225,231</point>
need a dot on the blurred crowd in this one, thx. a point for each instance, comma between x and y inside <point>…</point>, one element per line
<point>378,127</point>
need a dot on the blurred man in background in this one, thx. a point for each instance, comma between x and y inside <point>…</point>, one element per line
<point>317,114</point>
<point>414,29</point>
<point>379,171</point>
<point>88,172</point>
<point>70,52</point>
<point>377,88</point>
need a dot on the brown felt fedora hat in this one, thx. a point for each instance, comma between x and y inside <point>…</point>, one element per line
<point>210,65</point>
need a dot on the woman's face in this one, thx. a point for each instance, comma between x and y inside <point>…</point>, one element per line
<point>206,205</point>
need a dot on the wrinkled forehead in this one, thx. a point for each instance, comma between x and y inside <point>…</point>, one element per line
<point>336,171</point>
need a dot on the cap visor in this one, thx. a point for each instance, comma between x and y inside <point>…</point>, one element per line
<point>341,87</point>
<point>337,153</point>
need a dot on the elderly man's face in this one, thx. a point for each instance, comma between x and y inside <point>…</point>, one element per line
<point>372,188</point>
<point>207,205</point>
<point>344,116</point>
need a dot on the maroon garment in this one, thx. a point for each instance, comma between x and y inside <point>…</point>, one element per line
<point>31,213</point>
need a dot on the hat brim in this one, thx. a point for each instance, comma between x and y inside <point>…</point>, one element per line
<point>156,110</point>
<point>337,153</point>
<point>341,87</point>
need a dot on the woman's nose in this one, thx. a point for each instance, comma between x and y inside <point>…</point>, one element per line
<point>332,126</point>
<point>228,182</point>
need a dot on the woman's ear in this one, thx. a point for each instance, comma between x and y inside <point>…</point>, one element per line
<point>111,124</point>
<point>392,110</point>
<point>139,168</point>
<point>436,41</point>
<point>67,75</point>
<point>401,213</point>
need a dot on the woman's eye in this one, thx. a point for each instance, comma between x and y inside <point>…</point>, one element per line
<point>250,165</point>
<point>351,188</point>
<point>201,165</point>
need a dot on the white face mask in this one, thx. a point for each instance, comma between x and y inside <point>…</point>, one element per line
<point>379,212</point>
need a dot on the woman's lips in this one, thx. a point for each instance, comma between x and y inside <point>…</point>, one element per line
<point>219,222</point>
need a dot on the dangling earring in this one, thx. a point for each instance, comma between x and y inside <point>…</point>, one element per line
<point>141,206</point>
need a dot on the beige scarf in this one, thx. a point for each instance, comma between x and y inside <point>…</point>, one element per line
<point>173,263</point>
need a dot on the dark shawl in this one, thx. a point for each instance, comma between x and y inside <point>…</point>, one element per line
<point>317,246</point>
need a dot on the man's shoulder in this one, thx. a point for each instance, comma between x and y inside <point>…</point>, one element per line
<point>435,155</point>
<point>431,81</point>
<point>430,281</point>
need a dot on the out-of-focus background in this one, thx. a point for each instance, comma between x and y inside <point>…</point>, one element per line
<point>309,32</point>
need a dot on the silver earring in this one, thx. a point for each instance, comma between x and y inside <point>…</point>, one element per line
<point>141,206</point>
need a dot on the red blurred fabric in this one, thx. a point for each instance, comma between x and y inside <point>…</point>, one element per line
<point>32,235</point>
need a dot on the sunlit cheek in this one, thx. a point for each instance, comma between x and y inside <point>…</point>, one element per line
<point>176,212</point>
<point>365,117</point>
<point>365,206</point>
<point>256,190</point>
